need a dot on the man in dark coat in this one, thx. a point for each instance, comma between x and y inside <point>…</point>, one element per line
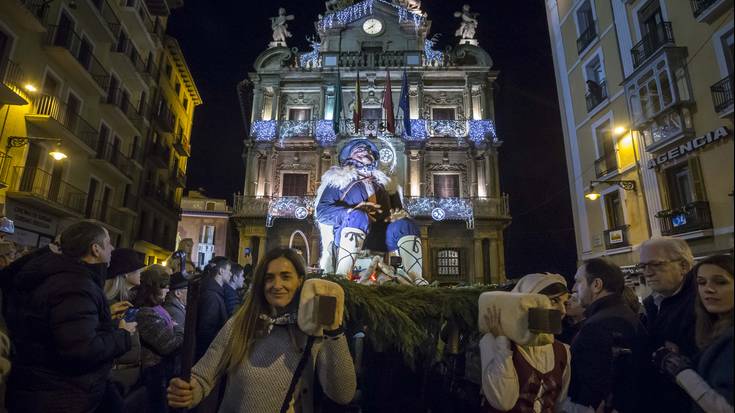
<point>175,303</point>
<point>607,351</point>
<point>669,315</point>
<point>212,311</point>
<point>62,330</point>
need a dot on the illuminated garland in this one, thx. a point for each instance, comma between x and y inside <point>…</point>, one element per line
<point>481,130</point>
<point>294,207</point>
<point>432,56</point>
<point>360,10</point>
<point>263,130</point>
<point>325,135</point>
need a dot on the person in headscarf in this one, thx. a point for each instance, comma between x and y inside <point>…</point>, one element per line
<point>528,376</point>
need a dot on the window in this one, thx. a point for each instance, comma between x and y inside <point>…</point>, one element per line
<point>207,235</point>
<point>372,113</point>
<point>442,113</point>
<point>177,87</point>
<point>595,82</point>
<point>613,210</point>
<point>202,260</point>
<point>185,103</point>
<point>680,186</point>
<point>448,262</point>
<point>168,70</point>
<point>585,18</point>
<point>299,114</point>
<point>446,185</point>
<point>210,206</point>
<point>295,184</point>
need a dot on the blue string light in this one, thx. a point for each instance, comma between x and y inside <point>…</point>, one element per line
<point>481,130</point>
<point>431,54</point>
<point>325,135</point>
<point>360,10</point>
<point>418,131</point>
<point>263,130</point>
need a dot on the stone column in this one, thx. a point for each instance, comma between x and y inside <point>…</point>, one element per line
<point>472,174</point>
<point>260,177</point>
<point>428,270</point>
<point>261,248</point>
<point>257,109</point>
<point>275,112</point>
<point>478,268</point>
<point>269,171</point>
<point>481,178</point>
<point>494,261</point>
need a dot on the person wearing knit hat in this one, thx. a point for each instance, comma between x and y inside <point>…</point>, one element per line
<point>123,274</point>
<point>517,376</point>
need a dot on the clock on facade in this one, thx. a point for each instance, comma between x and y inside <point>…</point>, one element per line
<point>372,26</point>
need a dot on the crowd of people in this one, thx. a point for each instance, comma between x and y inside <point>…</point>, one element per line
<point>94,329</point>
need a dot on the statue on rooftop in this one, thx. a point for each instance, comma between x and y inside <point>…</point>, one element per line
<point>468,26</point>
<point>280,28</point>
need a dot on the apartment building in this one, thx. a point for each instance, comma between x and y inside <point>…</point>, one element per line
<point>206,221</point>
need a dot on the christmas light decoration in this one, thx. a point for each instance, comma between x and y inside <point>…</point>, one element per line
<point>263,130</point>
<point>311,59</point>
<point>481,130</point>
<point>440,209</point>
<point>325,135</point>
<point>432,56</point>
<point>360,10</point>
<point>418,131</point>
<point>293,207</point>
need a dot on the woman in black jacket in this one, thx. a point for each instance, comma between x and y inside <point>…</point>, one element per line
<point>160,336</point>
<point>711,385</point>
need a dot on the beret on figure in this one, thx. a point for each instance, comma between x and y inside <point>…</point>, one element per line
<point>124,261</point>
<point>155,275</point>
<point>513,309</point>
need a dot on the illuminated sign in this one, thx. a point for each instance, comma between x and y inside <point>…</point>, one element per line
<point>690,146</point>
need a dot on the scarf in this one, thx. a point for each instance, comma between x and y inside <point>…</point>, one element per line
<point>282,320</point>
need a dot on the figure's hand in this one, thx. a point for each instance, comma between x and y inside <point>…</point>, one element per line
<point>371,208</point>
<point>180,393</point>
<point>118,309</point>
<point>492,320</point>
<point>671,362</point>
<point>396,214</point>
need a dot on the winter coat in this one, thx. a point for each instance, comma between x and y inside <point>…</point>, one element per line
<point>176,309</point>
<point>673,322</point>
<point>232,299</point>
<point>212,314</point>
<point>715,367</point>
<point>599,368</point>
<point>64,337</point>
<point>157,338</point>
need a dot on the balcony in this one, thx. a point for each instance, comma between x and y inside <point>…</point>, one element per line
<point>108,24</point>
<point>5,163</point>
<point>250,206</point>
<point>68,48</point>
<point>691,217</point>
<point>155,239</point>
<point>605,165</point>
<point>126,57</point>
<point>596,94</point>
<point>651,43</point>
<point>272,208</point>
<point>181,144</point>
<point>30,14</point>
<point>491,208</point>
<point>45,191</point>
<point>476,131</point>
<point>586,38</point>
<point>162,7</point>
<point>118,104</point>
<point>441,209</point>
<point>13,79</point>
<point>165,200</point>
<point>160,154</point>
<point>709,11</point>
<point>375,59</point>
<point>164,119</point>
<point>130,204</point>
<point>178,177</point>
<point>59,120</point>
<point>143,28</point>
<point>722,96</point>
<point>110,157</point>
<point>616,237</point>
<point>137,155</point>
<point>102,212</point>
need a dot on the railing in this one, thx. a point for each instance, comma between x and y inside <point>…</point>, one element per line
<point>42,184</point>
<point>50,106</point>
<point>179,177</point>
<point>484,207</point>
<point>722,93</point>
<point>440,209</point>
<point>323,130</point>
<point>12,74</point>
<point>38,8</point>
<point>5,163</point>
<point>109,16</point>
<point>130,202</point>
<point>160,152</point>
<point>152,25</point>
<point>137,154</point>
<point>691,217</point>
<point>250,206</point>
<point>122,101</point>
<point>606,164</point>
<point>616,237</point>
<point>651,42</point>
<point>586,37</point>
<point>104,213</point>
<point>128,49</point>
<point>596,95</point>
<point>159,195</point>
<point>699,6</point>
<point>181,144</point>
<point>372,59</point>
<point>112,154</point>
<point>165,120</point>
<point>68,39</point>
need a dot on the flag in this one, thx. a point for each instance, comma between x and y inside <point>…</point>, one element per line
<point>357,114</point>
<point>337,109</point>
<point>405,106</point>
<point>390,121</point>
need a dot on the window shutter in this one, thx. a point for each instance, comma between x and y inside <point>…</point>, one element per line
<point>695,174</point>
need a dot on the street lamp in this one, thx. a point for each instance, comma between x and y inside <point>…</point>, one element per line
<point>20,141</point>
<point>594,196</point>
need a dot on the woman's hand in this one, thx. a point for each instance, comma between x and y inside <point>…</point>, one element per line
<point>180,393</point>
<point>492,320</point>
<point>118,309</point>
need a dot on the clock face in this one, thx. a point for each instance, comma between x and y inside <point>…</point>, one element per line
<point>372,26</point>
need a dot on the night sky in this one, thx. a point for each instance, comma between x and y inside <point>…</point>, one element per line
<point>221,40</point>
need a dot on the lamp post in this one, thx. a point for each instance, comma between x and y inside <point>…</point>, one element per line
<point>20,141</point>
<point>625,184</point>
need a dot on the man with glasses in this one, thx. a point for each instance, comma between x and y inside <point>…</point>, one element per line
<point>669,313</point>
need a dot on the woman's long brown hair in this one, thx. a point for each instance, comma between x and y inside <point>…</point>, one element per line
<point>246,322</point>
<point>710,326</point>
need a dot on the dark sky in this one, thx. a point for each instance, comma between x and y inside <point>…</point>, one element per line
<point>221,40</point>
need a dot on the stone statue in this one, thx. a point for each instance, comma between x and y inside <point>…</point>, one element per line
<point>468,26</point>
<point>412,5</point>
<point>280,28</point>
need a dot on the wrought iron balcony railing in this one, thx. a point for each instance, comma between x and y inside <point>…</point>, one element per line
<point>616,237</point>
<point>131,111</point>
<point>128,50</point>
<point>51,106</point>
<point>596,94</point>
<point>5,162</point>
<point>109,16</point>
<point>181,144</point>
<point>38,8</point>
<point>586,37</point>
<point>323,130</point>
<point>67,38</point>
<point>164,119</point>
<point>159,153</point>
<point>11,74</point>
<point>691,217</point>
<point>606,164</point>
<point>103,212</point>
<point>114,156</point>
<point>43,185</point>
<point>651,43</point>
<point>699,6</point>
<point>722,93</point>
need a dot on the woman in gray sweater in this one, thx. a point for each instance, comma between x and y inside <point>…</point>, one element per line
<point>258,350</point>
